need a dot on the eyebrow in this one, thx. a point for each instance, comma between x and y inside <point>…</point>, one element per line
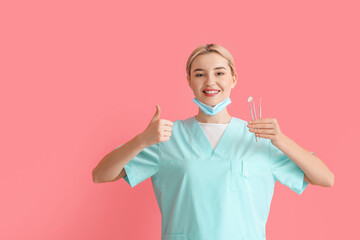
<point>199,69</point>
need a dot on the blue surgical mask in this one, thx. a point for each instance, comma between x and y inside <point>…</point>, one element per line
<point>209,110</point>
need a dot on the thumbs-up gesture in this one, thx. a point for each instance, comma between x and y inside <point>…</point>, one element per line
<point>158,130</point>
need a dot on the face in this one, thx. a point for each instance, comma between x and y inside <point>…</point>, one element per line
<point>211,72</point>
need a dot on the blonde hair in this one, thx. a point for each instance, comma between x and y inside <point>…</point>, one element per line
<point>209,48</point>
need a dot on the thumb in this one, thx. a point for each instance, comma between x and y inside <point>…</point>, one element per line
<point>157,113</point>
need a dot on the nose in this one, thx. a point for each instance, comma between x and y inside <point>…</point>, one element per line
<point>210,80</point>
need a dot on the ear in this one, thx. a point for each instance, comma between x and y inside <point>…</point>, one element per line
<point>189,81</point>
<point>234,80</point>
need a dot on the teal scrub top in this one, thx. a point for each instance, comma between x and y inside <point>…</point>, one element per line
<point>206,194</point>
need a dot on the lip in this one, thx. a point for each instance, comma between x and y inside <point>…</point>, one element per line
<point>211,94</point>
<point>211,89</point>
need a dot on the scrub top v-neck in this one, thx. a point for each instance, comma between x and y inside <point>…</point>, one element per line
<point>213,132</point>
<point>204,144</point>
<point>222,193</point>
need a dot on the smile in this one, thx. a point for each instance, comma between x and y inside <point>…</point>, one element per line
<point>211,93</point>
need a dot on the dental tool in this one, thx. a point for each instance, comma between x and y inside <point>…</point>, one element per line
<point>253,112</point>
<point>249,100</point>
<point>260,107</point>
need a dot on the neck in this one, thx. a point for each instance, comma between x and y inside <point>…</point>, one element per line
<point>222,117</point>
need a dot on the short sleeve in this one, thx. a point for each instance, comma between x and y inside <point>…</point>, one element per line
<point>286,171</point>
<point>143,165</point>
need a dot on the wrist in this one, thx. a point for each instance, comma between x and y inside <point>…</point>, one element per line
<point>139,140</point>
<point>281,139</point>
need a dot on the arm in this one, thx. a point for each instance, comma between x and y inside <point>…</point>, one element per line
<point>306,179</point>
<point>121,175</point>
<point>111,167</point>
<point>315,170</point>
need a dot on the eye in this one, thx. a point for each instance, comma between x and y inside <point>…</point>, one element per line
<point>221,73</point>
<point>197,75</point>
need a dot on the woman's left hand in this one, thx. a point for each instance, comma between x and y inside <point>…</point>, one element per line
<point>266,128</point>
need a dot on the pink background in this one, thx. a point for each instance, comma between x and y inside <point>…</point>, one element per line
<point>79,78</point>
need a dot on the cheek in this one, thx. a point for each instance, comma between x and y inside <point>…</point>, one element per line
<point>197,86</point>
<point>229,83</point>
<point>226,86</point>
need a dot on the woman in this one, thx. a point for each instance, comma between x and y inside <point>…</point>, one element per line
<point>212,180</point>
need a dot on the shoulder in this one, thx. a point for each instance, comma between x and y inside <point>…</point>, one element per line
<point>239,121</point>
<point>239,125</point>
<point>183,123</point>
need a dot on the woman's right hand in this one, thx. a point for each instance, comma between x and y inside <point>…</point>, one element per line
<point>158,130</point>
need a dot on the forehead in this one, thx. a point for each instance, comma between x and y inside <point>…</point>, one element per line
<point>209,61</point>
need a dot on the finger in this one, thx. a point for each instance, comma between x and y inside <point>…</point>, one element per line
<point>166,128</point>
<point>263,120</point>
<point>166,134</point>
<point>264,136</point>
<point>263,131</point>
<point>164,139</point>
<point>157,113</point>
<point>261,125</point>
<point>166,122</point>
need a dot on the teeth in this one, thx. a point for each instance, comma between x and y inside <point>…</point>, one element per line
<point>211,92</point>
